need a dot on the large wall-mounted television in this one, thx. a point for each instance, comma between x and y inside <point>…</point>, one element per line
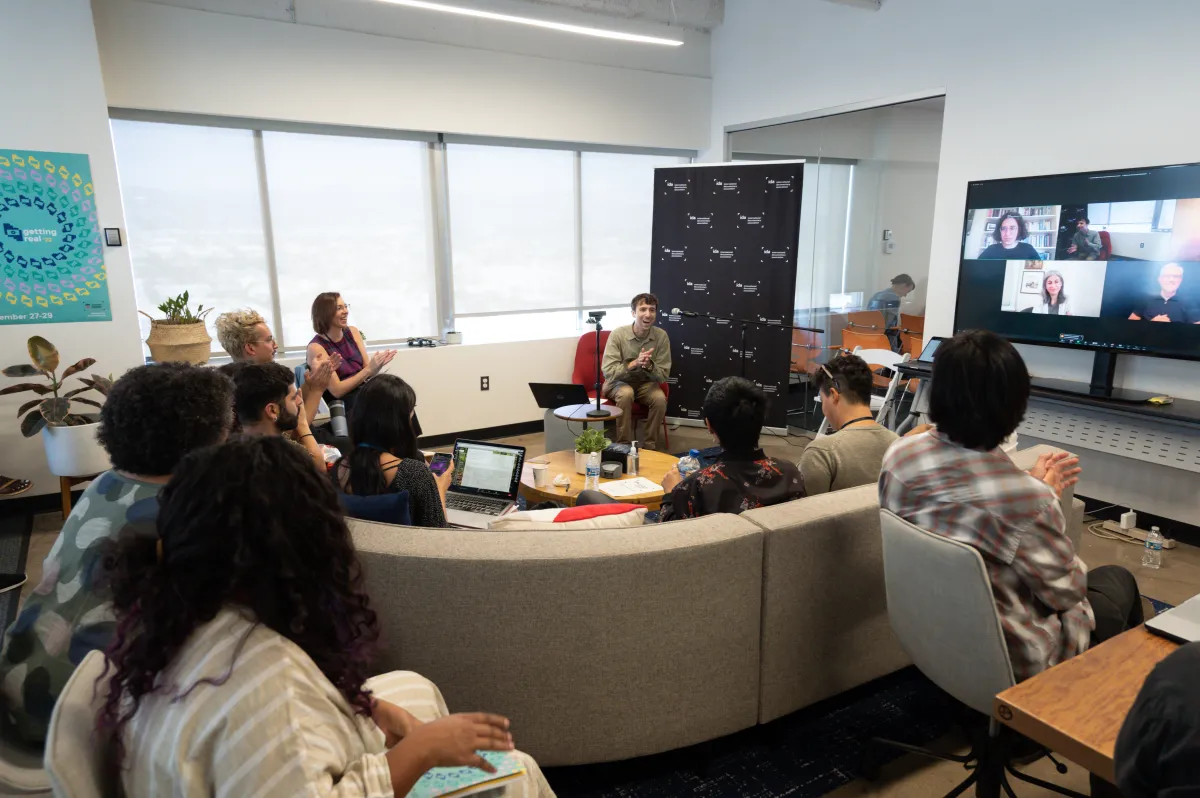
<point>1107,261</point>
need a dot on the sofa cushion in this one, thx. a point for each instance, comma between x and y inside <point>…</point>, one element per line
<point>592,516</point>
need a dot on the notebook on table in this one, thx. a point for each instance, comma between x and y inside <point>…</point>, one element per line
<point>1181,624</point>
<point>457,782</point>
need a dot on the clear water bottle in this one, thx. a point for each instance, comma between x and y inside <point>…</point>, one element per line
<point>591,479</point>
<point>1152,553</point>
<point>689,464</point>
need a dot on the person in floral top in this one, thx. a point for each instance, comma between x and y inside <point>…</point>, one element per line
<point>743,476</point>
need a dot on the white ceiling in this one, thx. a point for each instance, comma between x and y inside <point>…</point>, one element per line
<point>694,14</point>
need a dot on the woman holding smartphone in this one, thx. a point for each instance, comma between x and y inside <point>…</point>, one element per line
<point>386,458</point>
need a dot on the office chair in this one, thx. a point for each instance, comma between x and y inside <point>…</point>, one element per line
<point>941,607</point>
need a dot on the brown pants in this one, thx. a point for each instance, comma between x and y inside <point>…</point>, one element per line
<point>647,394</point>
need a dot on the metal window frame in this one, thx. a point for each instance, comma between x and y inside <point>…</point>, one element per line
<point>438,198</point>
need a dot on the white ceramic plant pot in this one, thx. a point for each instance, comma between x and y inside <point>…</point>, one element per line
<point>581,463</point>
<point>74,451</point>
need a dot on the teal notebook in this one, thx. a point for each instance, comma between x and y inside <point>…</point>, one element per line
<point>455,782</point>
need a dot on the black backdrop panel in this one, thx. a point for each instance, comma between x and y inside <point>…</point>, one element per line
<point>725,243</point>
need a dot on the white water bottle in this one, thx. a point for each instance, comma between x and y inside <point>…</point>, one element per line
<point>1152,553</point>
<point>689,464</point>
<point>591,479</point>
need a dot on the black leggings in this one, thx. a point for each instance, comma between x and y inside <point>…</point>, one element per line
<point>1113,593</point>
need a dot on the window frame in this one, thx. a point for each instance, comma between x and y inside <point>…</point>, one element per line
<point>438,198</point>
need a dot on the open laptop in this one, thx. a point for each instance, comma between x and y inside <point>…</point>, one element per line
<point>1181,624</point>
<point>486,479</point>
<point>551,395</point>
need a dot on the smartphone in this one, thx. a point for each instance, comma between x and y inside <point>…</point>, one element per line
<point>440,463</point>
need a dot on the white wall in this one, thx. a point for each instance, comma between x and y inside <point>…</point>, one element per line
<point>163,58</point>
<point>60,107</point>
<point>447,381</point>
<point>772,58</point>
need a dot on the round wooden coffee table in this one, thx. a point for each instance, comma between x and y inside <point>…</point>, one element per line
<point>653,466</point>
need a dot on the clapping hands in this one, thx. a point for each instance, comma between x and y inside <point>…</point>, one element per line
<point>1059,470</point>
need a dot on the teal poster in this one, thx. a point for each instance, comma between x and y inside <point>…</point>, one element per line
<point>51,252</point>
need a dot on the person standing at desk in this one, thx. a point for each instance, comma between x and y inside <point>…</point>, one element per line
<point>1010,235</point>
<point>637,360</point>
<point>1166,305</point>
<point>888,300</point>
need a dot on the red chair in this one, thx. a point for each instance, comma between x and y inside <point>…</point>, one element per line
<point>1105,245</point>
<point>585,375</point>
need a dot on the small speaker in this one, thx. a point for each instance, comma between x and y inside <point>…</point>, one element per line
<point>611,470</point>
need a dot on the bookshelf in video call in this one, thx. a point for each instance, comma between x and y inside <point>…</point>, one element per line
<point>1041,221</point>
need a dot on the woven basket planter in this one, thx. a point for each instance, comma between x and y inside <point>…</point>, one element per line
<point>186,343</point>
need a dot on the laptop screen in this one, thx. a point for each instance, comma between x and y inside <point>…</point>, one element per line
<point>487,469</point>
<point>930,348</point>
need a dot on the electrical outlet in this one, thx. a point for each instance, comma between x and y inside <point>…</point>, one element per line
<point>485,383</point>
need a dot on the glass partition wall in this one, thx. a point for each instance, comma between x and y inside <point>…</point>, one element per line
<point>870,177</point>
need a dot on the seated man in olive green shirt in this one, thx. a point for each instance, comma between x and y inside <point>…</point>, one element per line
<point>637,360</point>
<point>853,454</point>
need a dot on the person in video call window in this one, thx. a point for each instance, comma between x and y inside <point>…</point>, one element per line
<point>1010,235</point>
<point>1166,305</point>
<point>1054,296</point>
<point>1085,244</point>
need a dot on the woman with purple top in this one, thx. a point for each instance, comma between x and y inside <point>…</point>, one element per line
<point>334,335</point>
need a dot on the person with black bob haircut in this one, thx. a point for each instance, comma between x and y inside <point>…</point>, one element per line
<point>853,454</point>
<point>243,642</point>
<point>153,416</point>
<point>386,458</point>
<point>955,481</point>
<point>1010,235</point>
<point>267,402</point>
<point>743,476</point>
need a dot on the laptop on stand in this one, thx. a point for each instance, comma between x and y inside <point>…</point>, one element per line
<point>487,477</point>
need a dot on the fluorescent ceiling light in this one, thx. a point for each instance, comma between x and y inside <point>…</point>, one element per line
<point>537,23</point>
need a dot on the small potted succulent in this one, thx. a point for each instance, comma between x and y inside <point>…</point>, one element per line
<point>180,335</point>
<point>592,440</point>
<point>68,432</point>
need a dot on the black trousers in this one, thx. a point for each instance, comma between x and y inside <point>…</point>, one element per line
<point>1113,593</point>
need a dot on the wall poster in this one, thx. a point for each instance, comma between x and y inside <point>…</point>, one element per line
<point>51,253</point>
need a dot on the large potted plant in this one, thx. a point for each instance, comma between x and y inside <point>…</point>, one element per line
<point>68,433</point>
<point>180,335</point>
<point>592,440</point>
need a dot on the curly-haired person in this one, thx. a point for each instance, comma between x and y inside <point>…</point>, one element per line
<point>154,415</point>
<point>240,657</point>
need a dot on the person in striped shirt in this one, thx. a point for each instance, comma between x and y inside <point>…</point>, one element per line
<point>239,663</point>
<point>955,481</point>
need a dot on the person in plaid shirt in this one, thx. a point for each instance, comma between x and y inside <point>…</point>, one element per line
<point>955,481</point>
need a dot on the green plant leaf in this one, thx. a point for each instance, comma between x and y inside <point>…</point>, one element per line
<point>43,354</point>
<point>78,367</point>
<point>91,402</point>
<point>37,388</point>
<point>27,407</point>
<point>23,370</point>
<point>32,424</point>
<point>55,410</point>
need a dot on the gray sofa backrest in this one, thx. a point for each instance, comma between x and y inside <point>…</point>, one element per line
<point>599,645</point>
<point>825,626</point>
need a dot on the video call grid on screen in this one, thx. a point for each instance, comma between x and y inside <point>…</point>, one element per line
<point>1086,259</point>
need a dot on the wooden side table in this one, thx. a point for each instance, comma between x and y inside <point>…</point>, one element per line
<point>65,484</point>
<point>652,465</point>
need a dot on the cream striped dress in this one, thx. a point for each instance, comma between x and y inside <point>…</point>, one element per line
<point>276,727</point>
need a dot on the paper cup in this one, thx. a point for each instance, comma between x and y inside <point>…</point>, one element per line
<point>541,475</point>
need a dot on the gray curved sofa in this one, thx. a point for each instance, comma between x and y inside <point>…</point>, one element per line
<point>603,645</point>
